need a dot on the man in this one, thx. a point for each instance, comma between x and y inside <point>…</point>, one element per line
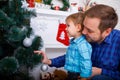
<point>99,22</point>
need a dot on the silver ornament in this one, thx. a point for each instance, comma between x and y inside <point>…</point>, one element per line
<point>44,67</point>
<point>27,42</point>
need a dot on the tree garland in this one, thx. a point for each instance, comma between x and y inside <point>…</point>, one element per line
<point>65,4</point>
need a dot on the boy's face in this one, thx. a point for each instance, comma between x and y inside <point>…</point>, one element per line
<point>91,30</point>
<point>72,29</point>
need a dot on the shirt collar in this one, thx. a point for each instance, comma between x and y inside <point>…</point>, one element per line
<point>108,39</point>
<point>77,40</point>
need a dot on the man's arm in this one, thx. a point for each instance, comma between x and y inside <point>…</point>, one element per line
<point>99,71</point>
<point>58,61</point>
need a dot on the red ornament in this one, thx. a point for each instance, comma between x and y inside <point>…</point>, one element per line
<point>57,8</point>
<point>31,3</point>
<point>62,34</point>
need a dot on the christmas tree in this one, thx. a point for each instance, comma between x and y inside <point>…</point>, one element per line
<point>17,41</point>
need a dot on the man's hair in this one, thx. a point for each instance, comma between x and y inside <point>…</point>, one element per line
<point>77,18</point>
<point>106,14</point>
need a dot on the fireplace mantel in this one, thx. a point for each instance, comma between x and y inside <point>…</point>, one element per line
<point>46,23</point>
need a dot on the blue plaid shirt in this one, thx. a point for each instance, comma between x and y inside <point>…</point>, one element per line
<point>105,55</point>
<point>78,57</point>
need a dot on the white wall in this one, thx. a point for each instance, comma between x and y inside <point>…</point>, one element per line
<point>55,52</point>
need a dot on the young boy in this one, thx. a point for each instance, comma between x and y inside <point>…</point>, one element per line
<point>78,54</point>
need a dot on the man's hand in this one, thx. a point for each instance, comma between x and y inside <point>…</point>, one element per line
<point>96,71</point>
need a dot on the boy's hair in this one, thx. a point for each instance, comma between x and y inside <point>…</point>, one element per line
<point>77,18</point>
<point>106,14</point>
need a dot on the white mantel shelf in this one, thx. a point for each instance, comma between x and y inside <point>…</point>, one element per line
<point>52,12</point>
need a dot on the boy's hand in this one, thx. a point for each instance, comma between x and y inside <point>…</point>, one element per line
<point>45,58</point>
